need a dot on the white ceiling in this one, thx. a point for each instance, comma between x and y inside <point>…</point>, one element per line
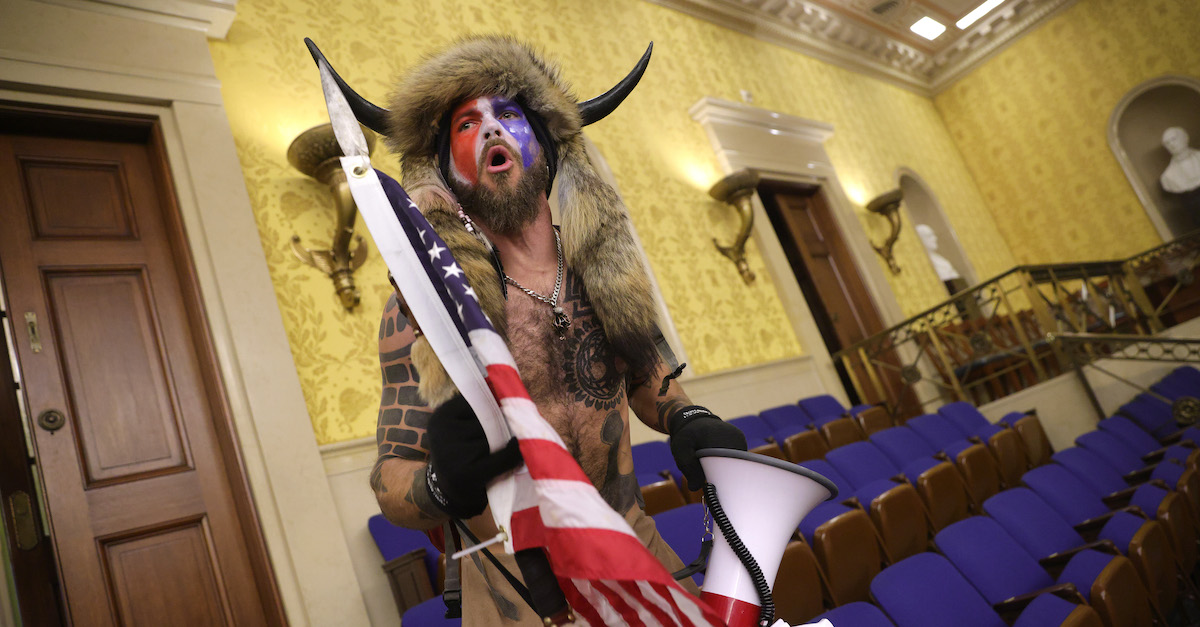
<point>873,36</point>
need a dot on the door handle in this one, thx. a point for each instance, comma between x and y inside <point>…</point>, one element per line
<point>24,526</point>
<point>35,339</point>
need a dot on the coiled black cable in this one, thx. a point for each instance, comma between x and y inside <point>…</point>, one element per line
<point>766,614</point>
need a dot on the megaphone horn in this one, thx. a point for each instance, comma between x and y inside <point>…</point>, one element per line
<point>763,500</point>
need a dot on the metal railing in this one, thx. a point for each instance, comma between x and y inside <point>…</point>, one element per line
<point>998,337</point>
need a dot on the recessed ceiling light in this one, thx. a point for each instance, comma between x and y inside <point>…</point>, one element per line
<point>928,28</point>
<point>977,13</point>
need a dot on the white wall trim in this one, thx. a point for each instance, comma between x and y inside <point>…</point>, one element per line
<point>296,509</point>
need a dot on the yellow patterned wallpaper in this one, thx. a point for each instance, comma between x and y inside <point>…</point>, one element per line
<point>1032,125</point>
<point>659,155</point>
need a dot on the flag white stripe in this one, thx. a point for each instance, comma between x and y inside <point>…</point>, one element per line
<point>687,605</point>
<point>652,595</point>
<point>586,509</point>
<point>490,348</point>
<point>531,425</point>
<point>607,612</point>
<point>637,604</point>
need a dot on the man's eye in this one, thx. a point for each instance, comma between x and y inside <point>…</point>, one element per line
<point>509,115</point>
<point>465,126</point>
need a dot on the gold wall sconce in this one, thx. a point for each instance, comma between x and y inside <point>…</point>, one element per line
<point>315,152</point>
<point>737,190</point>
<point>888,206</point>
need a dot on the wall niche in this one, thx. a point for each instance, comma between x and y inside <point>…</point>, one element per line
<point>1135,134</point>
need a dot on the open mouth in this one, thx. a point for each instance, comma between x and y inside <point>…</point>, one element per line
<point>498,159</point>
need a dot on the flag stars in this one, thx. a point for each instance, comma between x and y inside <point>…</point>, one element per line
<point>436,251</point>
<point>452,270</point>
<point>470,291</point>
<point>420,232</point>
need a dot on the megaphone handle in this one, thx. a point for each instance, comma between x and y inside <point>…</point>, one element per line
<point>767,608</point>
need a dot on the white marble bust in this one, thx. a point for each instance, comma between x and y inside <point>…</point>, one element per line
<point>945,270</point>
<point>1183,172</point>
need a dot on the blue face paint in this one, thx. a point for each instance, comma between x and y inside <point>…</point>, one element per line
<point>513,119</point>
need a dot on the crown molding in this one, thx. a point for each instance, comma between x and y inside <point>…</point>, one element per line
<point>816,31</point>
<point>212,17</point>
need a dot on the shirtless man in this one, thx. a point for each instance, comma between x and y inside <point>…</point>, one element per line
<point>498,160</point>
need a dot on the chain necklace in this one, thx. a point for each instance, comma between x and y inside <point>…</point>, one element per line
<point>561,321</point>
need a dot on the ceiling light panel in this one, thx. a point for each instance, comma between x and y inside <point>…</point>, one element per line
<point>977,13</point>
<point>928,28</point>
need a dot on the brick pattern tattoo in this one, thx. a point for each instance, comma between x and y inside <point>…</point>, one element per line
<point>403,416</point>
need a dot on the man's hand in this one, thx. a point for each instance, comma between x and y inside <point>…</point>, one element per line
<point>693,428</point>
<point>460,462</point>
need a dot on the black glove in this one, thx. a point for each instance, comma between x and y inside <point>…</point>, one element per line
<point>693,428</point>
<point>460,462</point>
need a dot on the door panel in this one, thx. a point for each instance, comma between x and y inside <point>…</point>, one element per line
<point>118,394</point>
<point>142,500</point>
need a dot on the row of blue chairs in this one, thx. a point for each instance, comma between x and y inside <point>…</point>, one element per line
<point>1099,496</point>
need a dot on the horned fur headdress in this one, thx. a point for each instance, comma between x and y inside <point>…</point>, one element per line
<point>597,237</point>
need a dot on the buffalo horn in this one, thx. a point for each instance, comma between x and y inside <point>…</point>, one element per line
<point>595,109</point>
<point>372,116</point>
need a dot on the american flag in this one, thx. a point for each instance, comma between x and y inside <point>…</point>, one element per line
<point>606,574</point>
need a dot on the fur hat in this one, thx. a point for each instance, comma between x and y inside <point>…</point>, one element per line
<point>597,236</point>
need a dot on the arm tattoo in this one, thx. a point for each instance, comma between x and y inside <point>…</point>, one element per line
<point>666,408</point>
<point>419,497</point>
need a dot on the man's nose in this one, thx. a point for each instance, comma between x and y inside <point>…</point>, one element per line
<point>491,127</point>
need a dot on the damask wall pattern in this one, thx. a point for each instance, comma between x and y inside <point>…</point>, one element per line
<point>660,157</point>
<point>1032,125</point>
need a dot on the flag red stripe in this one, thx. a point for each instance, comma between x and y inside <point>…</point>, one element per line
<point>579,603</point>
<point>549,460</point>
<point>505,382</point>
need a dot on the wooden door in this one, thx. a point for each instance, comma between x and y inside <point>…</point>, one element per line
<point>836,295</point>
<point>149,514</point>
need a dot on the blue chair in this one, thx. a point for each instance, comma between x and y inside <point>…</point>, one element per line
<point>823,408</point>
<point>759,437</point>
<point>845,542</point>
<point>682,529</point>
<point>431,613</point>
<point>1001,569</point>
<point>857,614</point>
<point>895,507</point>
<point>968,419</point>
<point>394,541</point>
<point>1080,506</point>
<point>1151,414</point>
<point>925,590</point>
<point>939,432</point>
<point>871,473</point>
<point>1050,539</point>
<point>1146,446</point>
<point>785,420</point>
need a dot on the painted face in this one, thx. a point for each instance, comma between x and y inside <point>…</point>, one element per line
<point>486,135</point>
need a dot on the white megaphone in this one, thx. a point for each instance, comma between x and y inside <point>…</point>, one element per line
<point>764,499</point>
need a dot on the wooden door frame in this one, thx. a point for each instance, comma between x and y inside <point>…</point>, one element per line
<point>788,149</point>
<point>146,63</point>
<point>87,124</point>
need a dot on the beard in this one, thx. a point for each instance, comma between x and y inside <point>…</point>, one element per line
<point>504,209</point>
